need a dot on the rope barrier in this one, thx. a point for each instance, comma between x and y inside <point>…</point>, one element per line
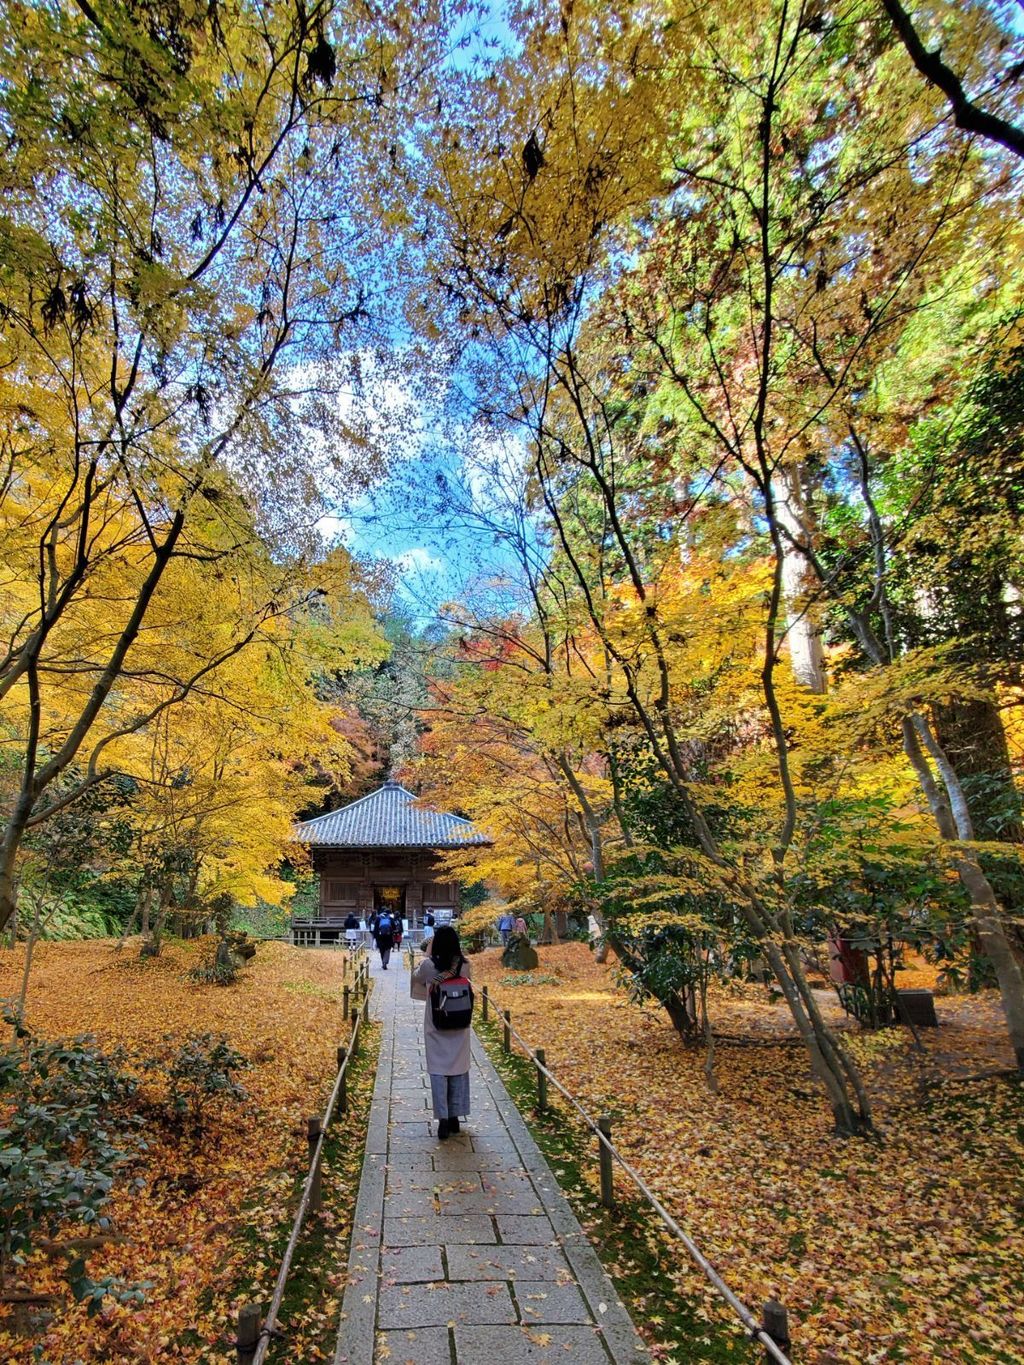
<point>754,1328</point>
<point>252,1349</point>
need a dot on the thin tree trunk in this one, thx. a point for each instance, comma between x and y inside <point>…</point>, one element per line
<point>26,972</point>
<point>709,1037</point>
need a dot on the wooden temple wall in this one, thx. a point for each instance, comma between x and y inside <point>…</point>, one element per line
<point>347,881</point>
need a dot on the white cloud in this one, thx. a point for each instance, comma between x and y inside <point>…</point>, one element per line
<point>333,529</point>
<point>419,560</point>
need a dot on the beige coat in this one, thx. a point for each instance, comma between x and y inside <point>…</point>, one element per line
<point>447,1050</point>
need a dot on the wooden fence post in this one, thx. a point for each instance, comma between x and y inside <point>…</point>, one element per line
<point>485,1000</point>
<point>775,1321</point>
<point>542,1081</point>
<point>248,1337</point>
<point>313,1131</point>
<point>346,997</point>
<point>604,1124</point>
<point>506,1035</point>
<point>353,1036</point>
<point>343,1082</point>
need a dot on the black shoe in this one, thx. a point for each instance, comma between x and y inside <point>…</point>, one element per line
<point>453,1125</point>
<point>443,1129</point>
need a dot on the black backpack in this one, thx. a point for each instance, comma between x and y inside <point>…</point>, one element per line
<point>451,1001</point>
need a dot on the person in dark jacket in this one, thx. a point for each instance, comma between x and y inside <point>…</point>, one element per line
<point>384,934</point>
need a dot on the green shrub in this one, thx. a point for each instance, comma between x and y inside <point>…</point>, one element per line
<point>199,1078</point>
<point>66,1128</point>
<point>71,918</point>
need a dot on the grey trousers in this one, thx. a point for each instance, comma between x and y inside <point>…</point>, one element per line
<point>450,1095</point>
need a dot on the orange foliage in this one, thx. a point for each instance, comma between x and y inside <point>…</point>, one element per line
<point>200,1229</point>
<point>880,1251</point>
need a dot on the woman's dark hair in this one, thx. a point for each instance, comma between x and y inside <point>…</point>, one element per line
<point>446,949</point>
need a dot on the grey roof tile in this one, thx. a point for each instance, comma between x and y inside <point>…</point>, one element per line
<point>389,818</point>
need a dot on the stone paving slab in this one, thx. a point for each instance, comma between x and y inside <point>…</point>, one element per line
<point>423,1346</point>
<point>538,1345</point>
<point>436,1305</point>
<point>427,1181</point>
<point>406,1265</point>
<point>533,1230</point>
<point>493,1202</point>
<point>404,1162</point>
<point>506,1263</point>
<point>466,1252</point>
<point>455,1158</point>
<point>427,1230</point>
<point>542,1301</point>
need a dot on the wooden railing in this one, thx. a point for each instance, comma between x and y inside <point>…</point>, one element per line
<point>773,1331</point>
<point>254,1331</point>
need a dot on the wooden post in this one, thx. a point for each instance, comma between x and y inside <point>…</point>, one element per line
<point>542,1080</point>
<point>346,997</point>
<point>506,1037</point>
<point>248,1337</point>
<point>485,1000</point>
<point>354,1020</point>
<point>343,1082</point>
<point>313,1131</point>
<point>604,1123</point>
<point>775,1321</point>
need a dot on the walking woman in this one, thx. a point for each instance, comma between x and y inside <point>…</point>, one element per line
<point>447,1049</point>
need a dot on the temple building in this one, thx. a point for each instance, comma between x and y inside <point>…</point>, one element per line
<point>382,850</point>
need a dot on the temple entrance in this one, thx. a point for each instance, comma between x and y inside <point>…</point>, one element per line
<point>391,899</point>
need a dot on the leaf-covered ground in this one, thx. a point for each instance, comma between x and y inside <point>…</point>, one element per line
<point>911,1249</point>
<point>206,1227</point>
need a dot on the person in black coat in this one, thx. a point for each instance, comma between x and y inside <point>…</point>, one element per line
<point>384,934</point>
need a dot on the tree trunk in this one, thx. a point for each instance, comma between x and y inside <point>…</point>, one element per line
<point>683,1019</point>
<point>8,902</point>
<point>986,910</point>
<point>971,732</point>
<point>806,655</point>
<point>997,948</point>
<point>548,933</point>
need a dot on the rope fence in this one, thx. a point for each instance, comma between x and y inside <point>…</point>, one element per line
<point>254,1331</point>
<point>773,1331</point>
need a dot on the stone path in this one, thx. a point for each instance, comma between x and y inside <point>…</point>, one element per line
<point>465,1252</point>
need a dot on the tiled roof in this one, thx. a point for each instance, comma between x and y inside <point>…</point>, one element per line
<point>389,818</point>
